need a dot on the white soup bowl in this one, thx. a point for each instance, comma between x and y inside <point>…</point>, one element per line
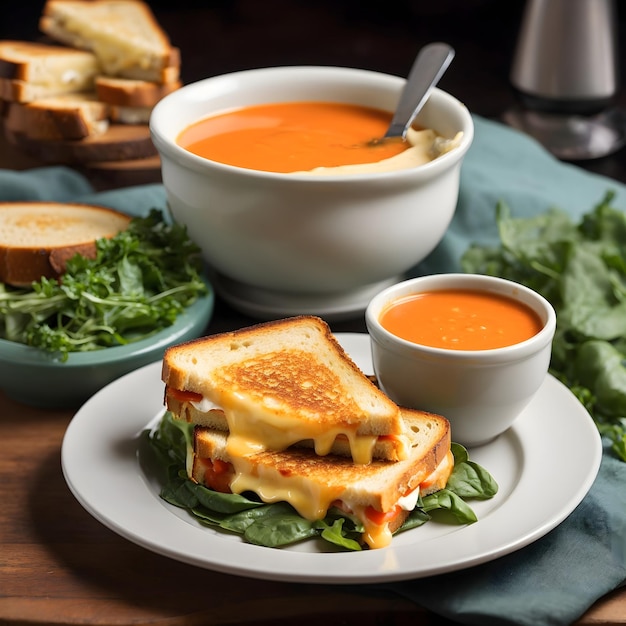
<point>297,235</point>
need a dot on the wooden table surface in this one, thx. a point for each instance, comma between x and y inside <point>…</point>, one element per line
<point>58,565</point>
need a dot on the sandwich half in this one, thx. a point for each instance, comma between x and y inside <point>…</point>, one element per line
<point>30,71</point>
<point>379,495</point>
<point>281,383</point>
<point>123,34</point>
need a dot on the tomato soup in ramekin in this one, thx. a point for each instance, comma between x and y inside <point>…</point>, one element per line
<point>473,348</point>
<point>459,319</point>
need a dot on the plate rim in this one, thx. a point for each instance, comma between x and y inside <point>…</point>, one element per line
<point>174,537</point>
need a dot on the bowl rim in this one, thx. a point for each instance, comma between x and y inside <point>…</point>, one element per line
<point>477,282</point>
<point>168,147</point>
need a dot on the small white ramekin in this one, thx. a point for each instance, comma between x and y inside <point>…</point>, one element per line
<point>481,392</point>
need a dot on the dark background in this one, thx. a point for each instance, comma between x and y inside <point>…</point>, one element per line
<point>222,36</point>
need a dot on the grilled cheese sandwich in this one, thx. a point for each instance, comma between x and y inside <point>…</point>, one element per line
<point>124,35</point>
<point>277,384</point>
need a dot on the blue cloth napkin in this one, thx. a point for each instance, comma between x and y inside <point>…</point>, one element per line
<point>556,579</point>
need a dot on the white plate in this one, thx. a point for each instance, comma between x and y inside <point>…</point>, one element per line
<point>101,466</point>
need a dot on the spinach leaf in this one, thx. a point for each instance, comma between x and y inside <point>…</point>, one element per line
<point>449,501</point>
<point>278,528</point>
<point>138,284</point>
<point>241,521</point>
<point>581,269</point>
<point>468,479</point>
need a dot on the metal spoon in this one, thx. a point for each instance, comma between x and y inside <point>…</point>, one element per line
<point>428,67</point>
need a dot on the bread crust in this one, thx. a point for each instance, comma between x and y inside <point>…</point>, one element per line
<point>38,238</point>
<point>69,116</point>
<point>126,92</point>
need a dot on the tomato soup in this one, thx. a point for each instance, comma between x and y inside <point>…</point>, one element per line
<point>461,320</point>
<point>292,136</point>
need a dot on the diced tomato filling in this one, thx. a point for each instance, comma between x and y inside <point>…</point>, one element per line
<point>217,475</point>
<point>184,396</point>
<point>380,517</point>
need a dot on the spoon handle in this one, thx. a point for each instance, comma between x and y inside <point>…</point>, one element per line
<point>429,66</point>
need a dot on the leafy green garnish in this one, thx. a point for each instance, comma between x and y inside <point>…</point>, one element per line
<point>581,269</point>
<point>138,284</point>
<point>275,525</point>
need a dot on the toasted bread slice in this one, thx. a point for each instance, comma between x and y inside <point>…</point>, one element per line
<point>312,484</point>
<point>123,34</point>
<point>68,116</point>
<point>30,71</point>
<point>131,101</point>
<point>37,238</point>
<point>282,382</point>
<point>125,92</point>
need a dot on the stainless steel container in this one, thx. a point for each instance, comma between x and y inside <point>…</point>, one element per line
<point>566,56</point>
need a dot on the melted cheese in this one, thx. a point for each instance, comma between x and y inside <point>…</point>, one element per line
<point>309,499</point>
<point>375,535</point>
<point>312,499</point>
<point>255,427</point>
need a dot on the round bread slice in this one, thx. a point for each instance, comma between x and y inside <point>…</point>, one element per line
<point>38,238</point>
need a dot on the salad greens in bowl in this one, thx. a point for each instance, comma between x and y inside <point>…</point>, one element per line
<point>61,341</point>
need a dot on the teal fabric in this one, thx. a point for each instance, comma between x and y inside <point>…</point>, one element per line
<point>503,164</point>
<point>554,580</point>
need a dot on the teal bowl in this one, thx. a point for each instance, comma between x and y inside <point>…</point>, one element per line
<point>37,378</point>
